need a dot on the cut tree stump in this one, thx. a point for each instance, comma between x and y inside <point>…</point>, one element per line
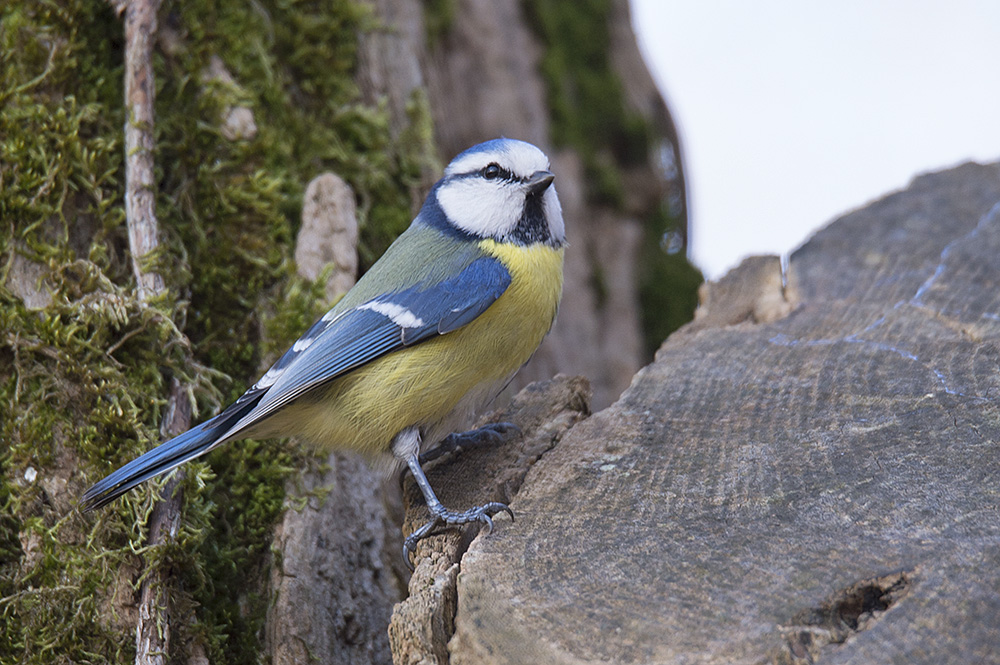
<point>821,486</point>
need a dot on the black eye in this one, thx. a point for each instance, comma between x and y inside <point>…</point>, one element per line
<point>491,172</point>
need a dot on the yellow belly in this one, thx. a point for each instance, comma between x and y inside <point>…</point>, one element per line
<point>424,385</point>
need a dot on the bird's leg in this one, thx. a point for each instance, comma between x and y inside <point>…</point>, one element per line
<point>490,433</point>
<point>442,516</point>
<point>406,445</point>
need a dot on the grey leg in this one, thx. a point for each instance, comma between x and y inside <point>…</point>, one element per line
<point>441,515</point>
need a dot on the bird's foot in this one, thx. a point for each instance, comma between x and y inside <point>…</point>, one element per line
<point>490,433</point>
<point>447,518</point>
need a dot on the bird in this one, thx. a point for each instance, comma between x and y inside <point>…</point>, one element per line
<point>425,340</point>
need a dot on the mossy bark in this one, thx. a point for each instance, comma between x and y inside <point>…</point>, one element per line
<point>86,366</point>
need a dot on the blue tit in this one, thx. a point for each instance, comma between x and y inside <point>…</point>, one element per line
<point>425,339</point>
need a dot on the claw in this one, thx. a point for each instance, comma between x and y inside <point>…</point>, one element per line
<point>488,522</point>
<point>410,544</point>
<point>482,514</point>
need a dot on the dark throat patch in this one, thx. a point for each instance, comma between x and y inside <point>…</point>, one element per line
<point>532,227</point>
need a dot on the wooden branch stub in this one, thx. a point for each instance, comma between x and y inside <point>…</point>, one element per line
<point>140,90</point>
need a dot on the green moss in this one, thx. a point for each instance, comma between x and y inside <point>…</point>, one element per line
<point>76,406</point>
<point>439,17</point>
<point>668,283</point>
<point>85,379</point>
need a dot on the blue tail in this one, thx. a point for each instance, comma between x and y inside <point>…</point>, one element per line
<point>182,448</point>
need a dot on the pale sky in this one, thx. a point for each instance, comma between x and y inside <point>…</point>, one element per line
<point>792,113</point>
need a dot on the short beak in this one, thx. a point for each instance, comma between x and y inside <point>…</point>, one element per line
<point>539,182</point>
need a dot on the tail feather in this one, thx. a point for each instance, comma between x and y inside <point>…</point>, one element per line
<point>168,455</point>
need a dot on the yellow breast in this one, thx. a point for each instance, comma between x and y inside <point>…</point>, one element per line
<point>424,384</point>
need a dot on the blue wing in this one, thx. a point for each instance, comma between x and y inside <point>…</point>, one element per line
<point>333,346</point>
<point>382,325</point>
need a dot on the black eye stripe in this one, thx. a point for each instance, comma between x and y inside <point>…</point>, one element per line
<point>503,175</point>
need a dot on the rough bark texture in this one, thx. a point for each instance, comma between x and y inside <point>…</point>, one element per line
<point>754,291</point>
<point>334,581</point>
<point>816,488</point>
<point>153,628</point>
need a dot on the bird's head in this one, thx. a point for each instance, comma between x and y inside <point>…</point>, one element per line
<point>501,189</point>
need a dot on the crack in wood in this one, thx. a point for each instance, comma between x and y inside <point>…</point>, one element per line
<point>842,615</point>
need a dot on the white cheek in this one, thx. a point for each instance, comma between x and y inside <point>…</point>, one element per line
<point>485,209</point>
<point>553,214</point>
